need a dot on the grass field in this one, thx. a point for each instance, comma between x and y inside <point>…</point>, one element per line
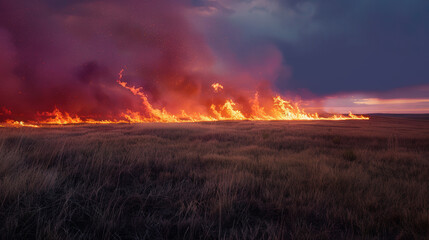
<point>222,180</point>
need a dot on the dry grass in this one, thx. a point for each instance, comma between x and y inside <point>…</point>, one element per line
<point>225,180</point>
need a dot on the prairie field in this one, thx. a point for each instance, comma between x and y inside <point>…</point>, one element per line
<point>217,180</point>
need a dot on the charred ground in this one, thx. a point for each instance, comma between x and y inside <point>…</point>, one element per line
<point>227,180</point>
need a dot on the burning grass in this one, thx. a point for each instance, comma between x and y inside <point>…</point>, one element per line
<point>238,179</point>
<point>275,108</point>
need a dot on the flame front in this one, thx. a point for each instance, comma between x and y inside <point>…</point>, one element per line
<point>279,109</point>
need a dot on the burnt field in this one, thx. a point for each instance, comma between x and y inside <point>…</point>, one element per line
<point>220,180</point>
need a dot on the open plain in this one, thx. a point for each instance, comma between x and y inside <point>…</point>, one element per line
<point>217,180</point>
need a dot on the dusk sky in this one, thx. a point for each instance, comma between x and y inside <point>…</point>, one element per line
<point>337,56</point>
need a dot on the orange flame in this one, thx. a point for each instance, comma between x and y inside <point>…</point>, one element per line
<point>217,87</point>
<point>280,109</point>
<point>12,123</point>
<point>57,117</point>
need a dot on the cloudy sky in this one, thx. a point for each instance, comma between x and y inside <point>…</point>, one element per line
<point>356,49</point>
<point>365,56</point>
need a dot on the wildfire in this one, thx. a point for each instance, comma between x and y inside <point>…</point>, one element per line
<point>279,109</point>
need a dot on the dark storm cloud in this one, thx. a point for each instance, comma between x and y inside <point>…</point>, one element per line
<point>335,46</point>
<point>363,45</point>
